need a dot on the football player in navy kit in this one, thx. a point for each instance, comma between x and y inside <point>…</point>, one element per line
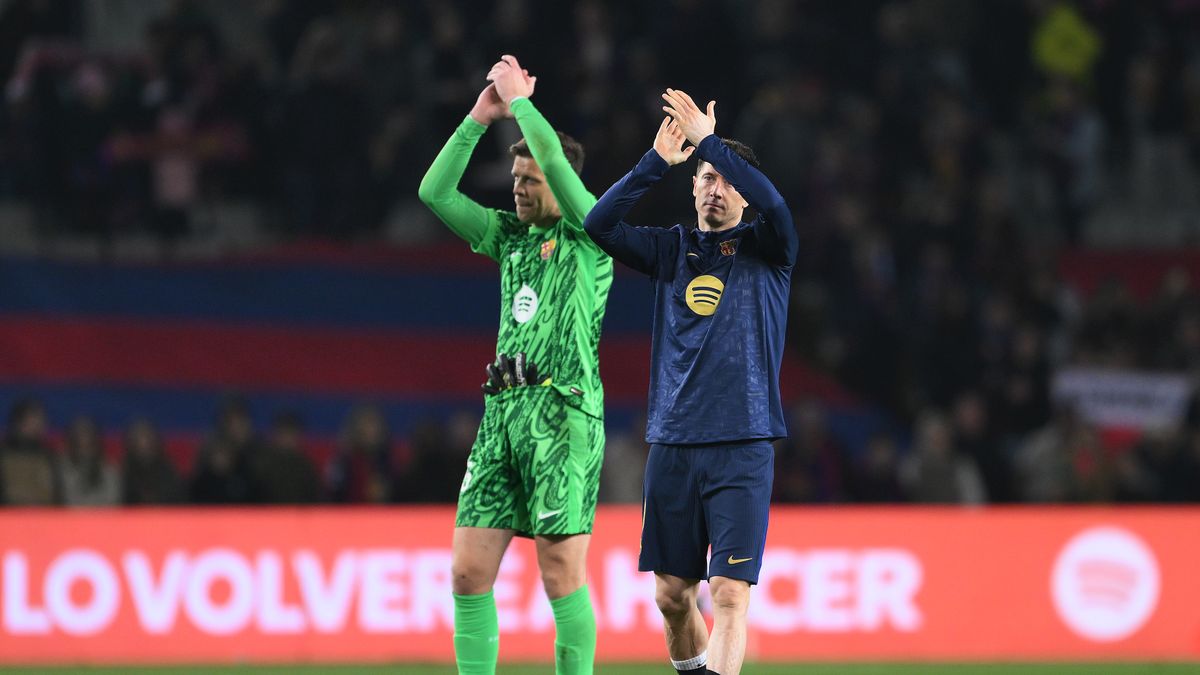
<point>720,313</point>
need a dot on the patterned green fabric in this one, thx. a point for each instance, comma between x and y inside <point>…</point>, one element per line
<point>554,281</point>
<point>553,290</point>
<point>535,466</point>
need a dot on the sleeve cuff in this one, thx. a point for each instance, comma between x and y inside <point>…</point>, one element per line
<point>705,149</point>
<point>652,163</point>
<point>471,128</point>
<point>520,102</point>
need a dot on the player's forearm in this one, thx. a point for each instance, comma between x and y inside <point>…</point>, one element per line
<point>632,246</point>
<point>625,193</point>
<point>747,180</point>
<point>439,188</point>
<point>441,180</point>
<point>778,232</point>
<point>777,237</point>
<point>573,197</point>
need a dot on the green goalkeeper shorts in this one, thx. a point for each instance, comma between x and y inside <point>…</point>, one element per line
<point>535,466</point>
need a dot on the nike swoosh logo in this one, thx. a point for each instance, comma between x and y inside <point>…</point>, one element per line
<point>542,515</point>
<point>734,561</point>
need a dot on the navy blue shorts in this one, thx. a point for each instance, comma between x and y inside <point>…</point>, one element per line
<point>697,496</point>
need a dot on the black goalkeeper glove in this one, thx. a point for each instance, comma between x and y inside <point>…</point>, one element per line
<point>507,373</point>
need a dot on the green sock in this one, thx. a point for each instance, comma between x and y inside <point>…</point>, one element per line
<point>476,634</point>
<point>575,641</point>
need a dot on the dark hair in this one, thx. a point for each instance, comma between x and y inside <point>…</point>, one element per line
<point>572,148</point>
<point>740,149</point>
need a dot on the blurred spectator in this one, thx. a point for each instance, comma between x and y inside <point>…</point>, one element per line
<point>21,20</point>
<point>1107,334</point>
<point>1043,467</point>
<point>394,66</point>
<point>28,475</point>
<point>975,438</point>
<point>1071,136</point>
<point>148,476</point>
<point>934,471</point>
<point>361,471</point>
<point>808,464</point>
<point>1170,316</point>
<point>1191,466</point>
<point>235,426</point>
<point>88,478</point>
<point>435,473</point>
<point>1021,398</point>
<point>1162,467</point>
<point>283,471</point>
<point>624,465</point>
<point>222,476</point>
<point>1065,461</point>
<point>1093,474</point>
<point>874,478</point>
<point>324,177</point>
<point>224,471</point>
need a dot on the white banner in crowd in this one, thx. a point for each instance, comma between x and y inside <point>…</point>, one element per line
<point>1124,398</point>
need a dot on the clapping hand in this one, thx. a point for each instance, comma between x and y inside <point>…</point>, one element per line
<point>510,79</point>
<point>489,107</point>
<point>668,143</point>
<point>695,123</point>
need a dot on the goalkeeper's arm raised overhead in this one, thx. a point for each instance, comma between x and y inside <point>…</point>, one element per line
<point>545,146</point>
<point>477,225</point>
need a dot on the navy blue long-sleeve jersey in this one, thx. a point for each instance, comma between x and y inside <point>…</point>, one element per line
<point>720,306</point>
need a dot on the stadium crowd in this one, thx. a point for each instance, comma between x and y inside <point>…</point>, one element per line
<point>233,464</point>
<point>938,156</point>
<point>961,456</point>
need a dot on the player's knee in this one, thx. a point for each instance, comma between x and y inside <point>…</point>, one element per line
<point>673,603</point>
<point>563,564</point>
<point>561,583</point>
<point>561,576</point>
<point>468,578</point>
<point>730,595</point>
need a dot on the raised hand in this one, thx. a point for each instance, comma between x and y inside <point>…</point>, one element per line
<point>668,143</point>
<point>510,79</point>
<point>695,123</point>
<point>489,107</point>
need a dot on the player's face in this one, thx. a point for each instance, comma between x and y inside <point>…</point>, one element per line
<point>718,205</point>
<point>535,203</point>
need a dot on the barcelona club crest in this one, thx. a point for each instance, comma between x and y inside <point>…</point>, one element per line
<point>548,249</point>
<point>729,247</point>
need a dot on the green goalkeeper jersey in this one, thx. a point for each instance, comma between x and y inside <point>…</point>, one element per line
<point>554,281</point>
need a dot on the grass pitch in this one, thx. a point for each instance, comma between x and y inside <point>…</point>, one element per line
<point>654,669</point>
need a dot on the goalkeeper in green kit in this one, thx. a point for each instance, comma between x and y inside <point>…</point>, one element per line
<point>535,467</point>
